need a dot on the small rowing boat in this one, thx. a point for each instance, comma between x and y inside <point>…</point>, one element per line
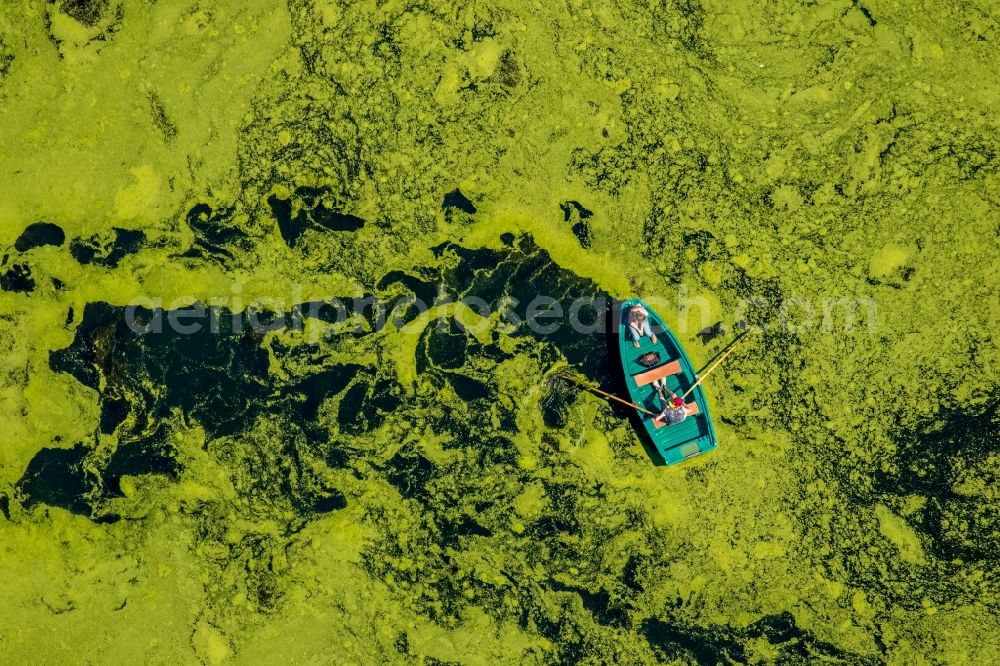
<point>666,359</point>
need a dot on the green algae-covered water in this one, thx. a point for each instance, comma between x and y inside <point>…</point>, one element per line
<point>321,489</point>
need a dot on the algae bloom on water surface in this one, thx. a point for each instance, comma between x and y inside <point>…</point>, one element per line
<point>204,460</point>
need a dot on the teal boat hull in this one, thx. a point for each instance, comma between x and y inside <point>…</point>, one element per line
<point>682,441</point>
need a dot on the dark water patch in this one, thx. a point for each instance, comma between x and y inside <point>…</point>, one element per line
<point>574,210</point>
<point>325,311</point>
<point>524,280</point>
<point>704,243</point>
<point>577,216</point>
<point>39,234</point>
<point>307,208</point>
<point>367,314</point>
<point>334,500</point>
<point>336,456</point>
<point>598,603</point>
<point>405,313</point>
<point>217,376</point>
<point>630,574</point>
<point>384,397</point>
<point>555,414</point>
<point>86,355</point>
<point>422,289</point>
<point>17,279</point>
<point>256,555</point>
<point>445,345</point>
<point>932,460</point>
<point>866,13</point>
<point>366,405</point>
<point>214,231</point>
<point>495,353</point>
<point>508,74</point>
<point>309,353</point>
<point>310,197</point>
<point>781,629</point>
<point>108,252</point>
<point>455,200</point>
<point>152,455</point>
<point>161,119</point>
<point>334,221</point>
<point>219,379</point>
<point>707,648</point>
<point>205,250</point>
<point>350,416</point>
<point>434,661</point>
<point>560,516</point>
<point>316,388</point>
<point>885,283</point>
<point>506,419</point>
<point>458,278</point>
<point>289,228</point>
<point>725,645</point>
<point>559,625</point>
<point>5,506</point>
<point>372,311</point>
<point>582,232</point>
<point>6,58</point>
<point>87,12</point>
<point>556,402</point>
<point>56,477</point>
<point>114,411</point>
<point>452,532</point>
<point>467,388</point>
<point>795,643</point>
<point>377,405</point>
<point>409,472</point>
<point>763,295</point>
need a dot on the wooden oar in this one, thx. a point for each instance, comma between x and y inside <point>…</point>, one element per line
<point>701,377</point>
<point>610,396</point>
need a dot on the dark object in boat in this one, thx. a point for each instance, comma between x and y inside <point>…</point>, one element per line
<point>649,359</point>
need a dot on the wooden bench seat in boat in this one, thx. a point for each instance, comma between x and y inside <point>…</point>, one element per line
<point>650,376</point>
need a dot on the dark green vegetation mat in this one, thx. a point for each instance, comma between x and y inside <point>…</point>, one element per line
<point>411,486</point>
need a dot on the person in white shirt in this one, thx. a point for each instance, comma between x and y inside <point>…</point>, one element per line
<point>638,325</point>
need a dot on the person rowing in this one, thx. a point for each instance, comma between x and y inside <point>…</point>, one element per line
<point>638,325</point>
<point>674,409</point>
